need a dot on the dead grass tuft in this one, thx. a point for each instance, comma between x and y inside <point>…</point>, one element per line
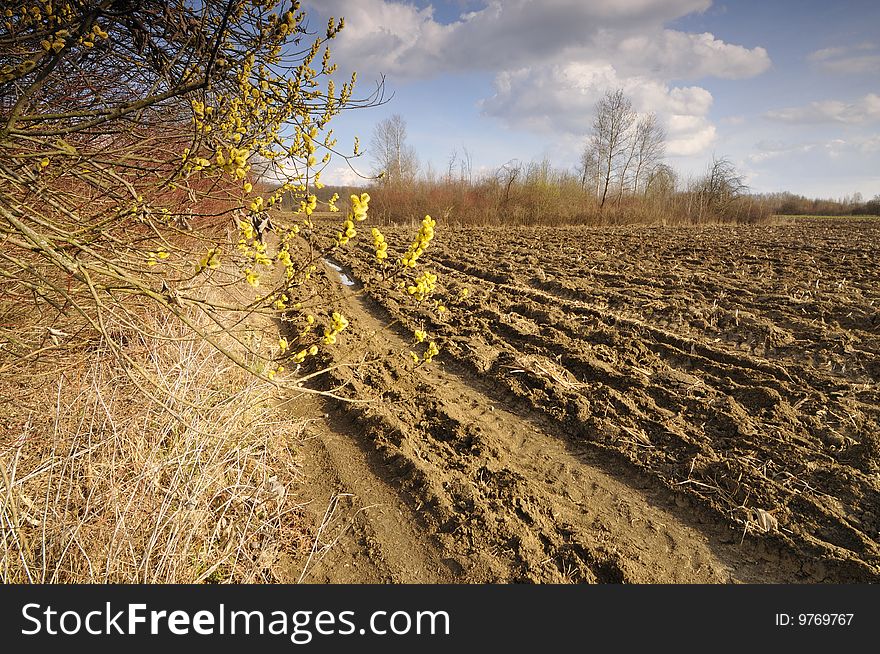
<point>188,482</point>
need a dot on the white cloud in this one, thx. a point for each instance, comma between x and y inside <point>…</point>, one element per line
<point>342,176</point>
<point>833,148</point>
<point>854,65</point>
<point>869,144</point>
<point>385,36</point>
<point>560,98</point>
<point>398,39</point>
<point>827,53</point>
<point>553,59</point>
<point>689,135</point>
<point>864,110</point>
<point>863,144</point>
<point>774,149</point>
<point>848,59</point>
<point>680,55</point>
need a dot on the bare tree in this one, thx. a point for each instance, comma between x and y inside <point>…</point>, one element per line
<point>650,147</point>
<point>611,138</point>
<point>719,187</point>
<point>646,145</point>
<point>506,176</point>
<point>622,150</point>
<point>466,166</point>
<point>450,166</point>
<point>660,181</point>
<point>390,152</point>
<point>588,168</point>
<point>627,163</point>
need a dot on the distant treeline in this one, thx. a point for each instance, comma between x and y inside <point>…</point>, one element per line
<point>789,204</point>
<point>538,194</point>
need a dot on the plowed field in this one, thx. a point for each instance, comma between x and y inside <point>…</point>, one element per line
<point>640,404</point>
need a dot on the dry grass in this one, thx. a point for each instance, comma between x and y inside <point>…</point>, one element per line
<point>183,476</point>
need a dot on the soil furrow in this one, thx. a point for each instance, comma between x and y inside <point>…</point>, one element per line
<point>686,397</point>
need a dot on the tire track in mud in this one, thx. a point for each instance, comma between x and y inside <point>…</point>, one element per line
<point>490,490</point>
<point>364,532</point>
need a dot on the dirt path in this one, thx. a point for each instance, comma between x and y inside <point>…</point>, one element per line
<point>445,477</point>
<point>365,532</point>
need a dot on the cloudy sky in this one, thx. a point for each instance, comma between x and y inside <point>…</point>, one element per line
<point>787,89</point>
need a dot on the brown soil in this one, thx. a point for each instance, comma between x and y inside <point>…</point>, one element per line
<point>639,405</point>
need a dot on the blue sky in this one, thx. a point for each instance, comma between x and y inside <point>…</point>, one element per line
<point>789,91</point>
